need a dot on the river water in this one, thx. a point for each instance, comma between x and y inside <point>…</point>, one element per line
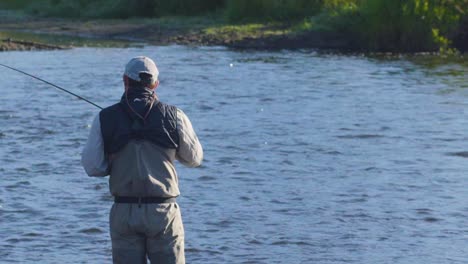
<point>309,157</point>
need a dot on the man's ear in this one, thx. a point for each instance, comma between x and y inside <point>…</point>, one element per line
<point>155,85</point>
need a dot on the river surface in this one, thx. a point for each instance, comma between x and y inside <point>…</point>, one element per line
<point>309,157</point>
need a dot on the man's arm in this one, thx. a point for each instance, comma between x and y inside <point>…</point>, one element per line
<point>93,158</point>
<point>190,152</point>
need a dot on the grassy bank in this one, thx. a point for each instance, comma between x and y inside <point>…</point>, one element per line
<point>367,25</point>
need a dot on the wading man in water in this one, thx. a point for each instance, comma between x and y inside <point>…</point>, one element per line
<point>136,142</point>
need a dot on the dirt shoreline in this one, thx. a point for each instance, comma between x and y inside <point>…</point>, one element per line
<point>192,31</point>
<point>9,44</point>
<point>160,32</point>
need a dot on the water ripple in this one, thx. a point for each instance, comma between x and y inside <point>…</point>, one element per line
<point>310,157</point>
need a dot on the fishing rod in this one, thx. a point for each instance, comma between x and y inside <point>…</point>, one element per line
<point>49,83</point>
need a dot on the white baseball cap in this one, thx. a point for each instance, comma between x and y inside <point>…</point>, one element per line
<point>141,64</point>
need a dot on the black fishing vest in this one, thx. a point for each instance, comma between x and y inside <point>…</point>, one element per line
<point>118,127</point>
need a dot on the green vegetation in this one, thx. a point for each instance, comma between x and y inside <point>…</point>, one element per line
<point>239,32</point>
<point>402,25</point>
<point>375,25</point>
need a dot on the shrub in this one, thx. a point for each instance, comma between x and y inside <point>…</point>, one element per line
<point>405,25</point>
<point>115,8</point>
<point>239,10</point>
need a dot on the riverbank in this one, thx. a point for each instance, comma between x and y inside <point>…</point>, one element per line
<point>194,30</point>
<point>197,31</point>
<point>9,44</point>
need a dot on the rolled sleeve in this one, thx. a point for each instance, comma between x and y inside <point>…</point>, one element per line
<point>93,158</point>
<point>190,151</point>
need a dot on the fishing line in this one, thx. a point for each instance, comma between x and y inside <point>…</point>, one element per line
<point>49,83</point>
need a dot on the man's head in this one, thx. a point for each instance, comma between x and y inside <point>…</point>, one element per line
<point>141,71</point>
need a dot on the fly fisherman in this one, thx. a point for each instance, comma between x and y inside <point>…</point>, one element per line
<point>136,142</point>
